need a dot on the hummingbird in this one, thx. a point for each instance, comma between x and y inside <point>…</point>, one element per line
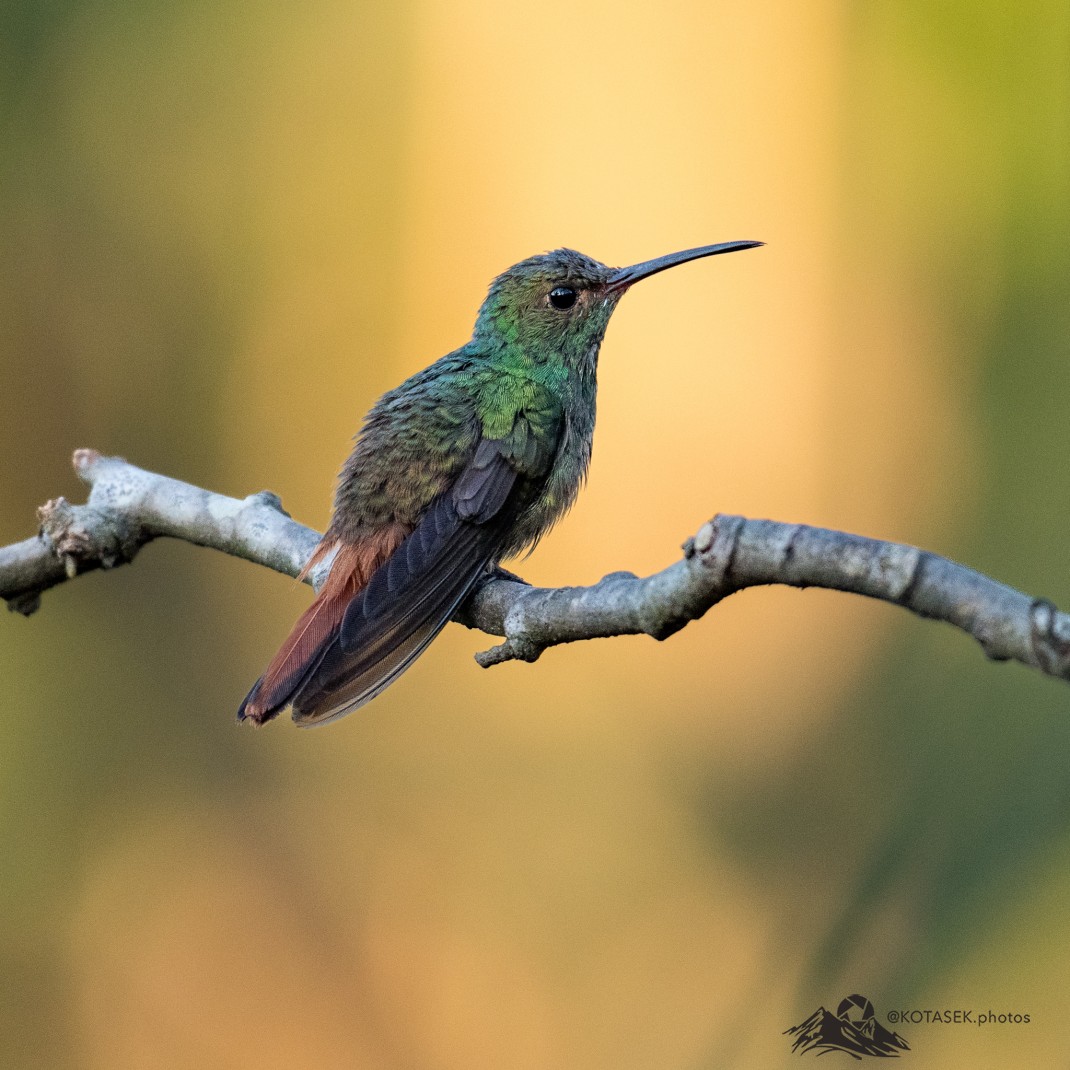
<point>466,463</point>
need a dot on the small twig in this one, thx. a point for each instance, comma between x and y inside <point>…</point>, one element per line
<point>128,507</point>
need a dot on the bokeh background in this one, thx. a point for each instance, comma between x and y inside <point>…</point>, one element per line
<point>225,228</point>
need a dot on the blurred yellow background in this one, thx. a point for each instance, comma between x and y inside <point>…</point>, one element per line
<point>226,228</point>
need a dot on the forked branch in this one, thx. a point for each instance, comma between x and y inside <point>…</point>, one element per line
<point>129,507</point>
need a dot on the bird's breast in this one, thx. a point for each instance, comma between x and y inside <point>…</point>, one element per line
<point>555,493</point>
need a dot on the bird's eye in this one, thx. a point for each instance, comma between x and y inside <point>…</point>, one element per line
<point>562,297</point>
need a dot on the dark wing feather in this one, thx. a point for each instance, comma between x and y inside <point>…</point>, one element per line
<point>481,489</point>
<point>413,594</point>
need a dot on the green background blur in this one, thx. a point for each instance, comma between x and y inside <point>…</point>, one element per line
<point>226,228</point>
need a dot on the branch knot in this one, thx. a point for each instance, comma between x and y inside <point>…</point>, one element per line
<point>83,536</point>
<point>1050,636</point>
<point>715,545</point>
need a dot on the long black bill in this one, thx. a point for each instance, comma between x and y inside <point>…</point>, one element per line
<point>622,278</point>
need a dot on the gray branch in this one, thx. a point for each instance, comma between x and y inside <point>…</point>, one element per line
<point>129,507</point>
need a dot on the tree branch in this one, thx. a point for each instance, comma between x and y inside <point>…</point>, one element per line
<point>129,507</point>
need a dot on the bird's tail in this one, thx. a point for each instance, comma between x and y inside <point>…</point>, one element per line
<point>300,655</point>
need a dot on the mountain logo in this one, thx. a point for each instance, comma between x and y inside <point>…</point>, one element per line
<point>853,1028</point>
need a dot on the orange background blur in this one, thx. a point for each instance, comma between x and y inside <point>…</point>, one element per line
<point>226,228</point>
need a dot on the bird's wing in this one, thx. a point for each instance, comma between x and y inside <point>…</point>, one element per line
<point>411,596</point>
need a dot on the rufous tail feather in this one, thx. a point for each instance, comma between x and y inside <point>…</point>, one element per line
<point>352,568</point>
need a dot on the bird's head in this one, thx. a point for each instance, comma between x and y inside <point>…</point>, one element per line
<point>556,306</point>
